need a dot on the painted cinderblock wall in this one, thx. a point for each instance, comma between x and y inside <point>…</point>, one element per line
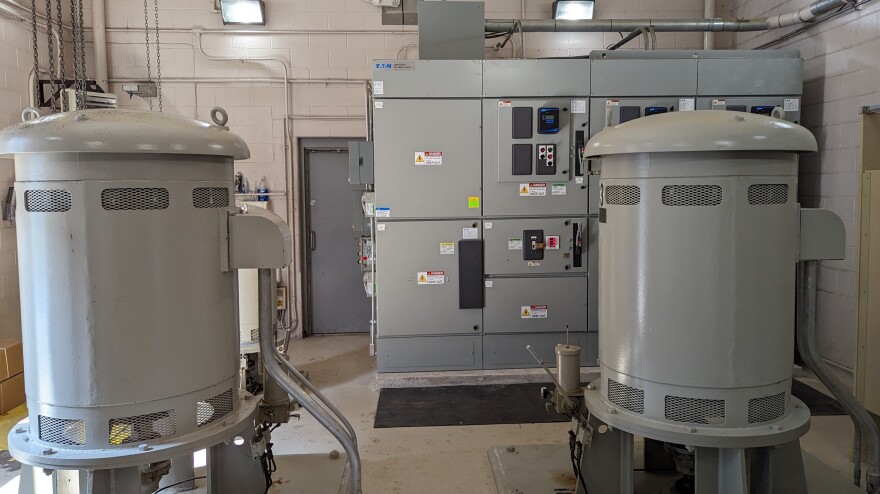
<point>16,63</point>
<point>842,66</point>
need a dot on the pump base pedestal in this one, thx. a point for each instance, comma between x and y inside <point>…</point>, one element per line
<point>541,468</point>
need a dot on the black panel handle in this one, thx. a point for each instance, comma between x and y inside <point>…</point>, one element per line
<point>470,274</point>
<point>578,144</point>
<point>577,246</point>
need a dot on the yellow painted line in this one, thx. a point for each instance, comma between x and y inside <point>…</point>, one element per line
<point>8,421</point>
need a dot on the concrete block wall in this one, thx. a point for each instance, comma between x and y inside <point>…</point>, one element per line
<point>16,63</point>
<point>842,67</point>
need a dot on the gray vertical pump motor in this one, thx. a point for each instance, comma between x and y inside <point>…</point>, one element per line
<point>126,261</point>
<point>700,233</point>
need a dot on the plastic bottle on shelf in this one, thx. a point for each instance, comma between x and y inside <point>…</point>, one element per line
<point>262,188</point>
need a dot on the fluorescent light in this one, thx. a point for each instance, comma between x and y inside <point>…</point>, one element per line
<point>243,12</point>
<point>573,10</point>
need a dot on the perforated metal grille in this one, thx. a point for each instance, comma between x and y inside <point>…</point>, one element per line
<point>255,334</point>
<point>47,201</point>
<point>214,408</point>
<point>767,408</point>
<point>766,194</point>
<point>692,195</point>
<point>143,427</point>
<point>694,410</point>
<point>134,199</point>
<point>210,197</point>
<point>62,431</point>
<point>626,397</point>
<point>623,195</point>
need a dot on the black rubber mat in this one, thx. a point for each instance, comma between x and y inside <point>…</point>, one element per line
<point>818,402</point>
<point>507,404</point>
<point>463,405</point>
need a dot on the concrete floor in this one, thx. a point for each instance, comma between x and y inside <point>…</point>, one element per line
<point>448,459</point>
<point>439,460</point>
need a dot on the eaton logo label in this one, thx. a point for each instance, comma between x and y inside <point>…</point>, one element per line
<point>395,66</point>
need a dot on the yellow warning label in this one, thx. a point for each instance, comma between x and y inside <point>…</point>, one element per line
<point>524,190</point>
<point>526,313</point>
<point>420,159</point>
<point>423,279</point>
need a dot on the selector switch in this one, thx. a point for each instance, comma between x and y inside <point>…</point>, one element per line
<point>533,245</point>
<point>546,162</point>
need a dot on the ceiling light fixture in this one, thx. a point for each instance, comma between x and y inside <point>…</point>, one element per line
<point>572,10</point>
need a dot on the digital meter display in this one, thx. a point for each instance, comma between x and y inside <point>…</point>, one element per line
<point>763,110</point>
<point>548,121</point>
<point>653,110</point>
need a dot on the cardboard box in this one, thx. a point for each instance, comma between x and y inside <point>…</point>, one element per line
<point>11,360</point>
<point>11,392</point>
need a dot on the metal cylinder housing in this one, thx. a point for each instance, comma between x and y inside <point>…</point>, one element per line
<point>128,318</point>
<point>698,246</point>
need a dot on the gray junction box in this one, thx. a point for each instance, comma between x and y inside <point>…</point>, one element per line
<point>486,210</point>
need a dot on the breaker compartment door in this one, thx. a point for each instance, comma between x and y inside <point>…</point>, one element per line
<point>529,246</point>
<point>536,305</point>
<point>419,278</point>
<point>427,158</point>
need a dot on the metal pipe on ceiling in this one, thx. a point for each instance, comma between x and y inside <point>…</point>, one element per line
<point>801,16</point>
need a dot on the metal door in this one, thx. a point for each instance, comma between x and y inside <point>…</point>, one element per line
<point>337,300</point>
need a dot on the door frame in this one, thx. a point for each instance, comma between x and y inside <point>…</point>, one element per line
<point>307,147</point>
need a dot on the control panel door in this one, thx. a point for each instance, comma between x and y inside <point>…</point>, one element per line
<point>531,159</point>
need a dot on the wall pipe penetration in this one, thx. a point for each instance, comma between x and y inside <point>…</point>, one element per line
<point>801,16</point>
<point>806,342</point>
<point>272,359</point>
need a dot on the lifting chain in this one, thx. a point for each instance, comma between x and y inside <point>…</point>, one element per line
<point>81,77</point>
<point>51,51</point>
<point>63,75</point>
<point>36,49</point>
<point>78,52</point>
<point>147,36</point>
<point>158,55</point>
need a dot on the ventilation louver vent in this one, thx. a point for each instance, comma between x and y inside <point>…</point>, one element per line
<point>47,201</point>
<point>692,195</point>
<point>626,397</point>
<point>694,410</point>
<point>767,194</point>
<point>767,408</point>
<point>623,195</point>
<point>142,428</point>
<point>62,431</point>
<point>210,197</point>
<point>214,409</point>
<point>134,199</point>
